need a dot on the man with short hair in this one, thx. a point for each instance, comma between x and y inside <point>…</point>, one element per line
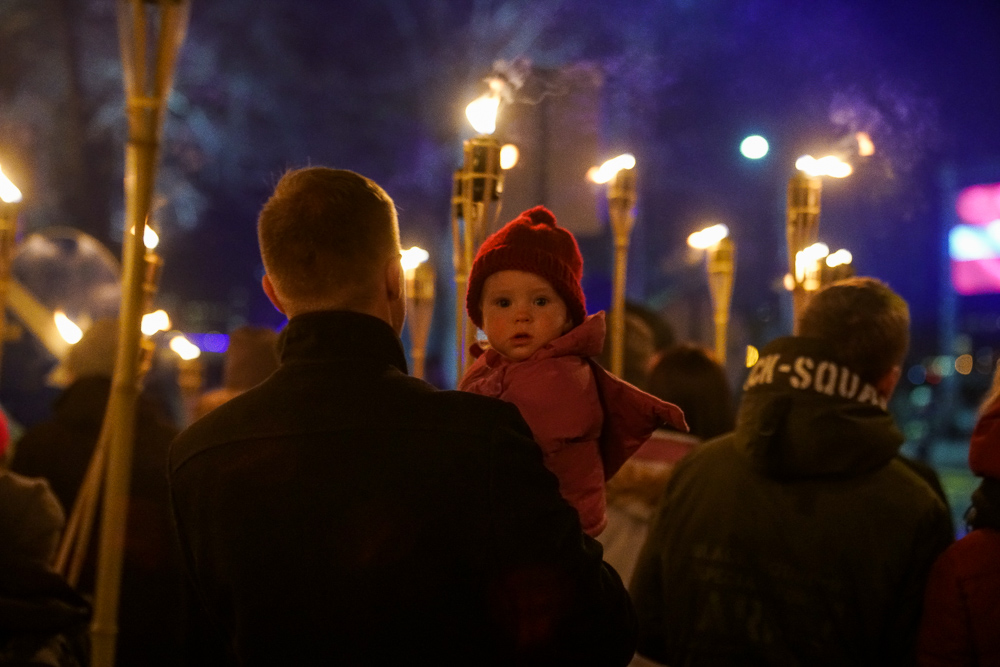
<point>342,512</point>
<point>800,538</point>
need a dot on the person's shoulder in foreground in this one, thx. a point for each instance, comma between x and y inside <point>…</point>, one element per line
<point>343,510</point>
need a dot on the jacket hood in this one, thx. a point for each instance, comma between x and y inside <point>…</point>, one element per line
<point>984,447</point>
<point>804,414</point>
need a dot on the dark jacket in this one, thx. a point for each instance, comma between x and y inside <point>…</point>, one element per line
<point>343,512</point>
<point>799,539</point>
<point>42,620</point>
<point>153,606</point>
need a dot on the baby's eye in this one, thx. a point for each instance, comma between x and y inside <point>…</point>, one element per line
<point>542,301</point>
<point>503,303</point>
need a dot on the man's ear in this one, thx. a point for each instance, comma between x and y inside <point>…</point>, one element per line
<point>272,295</point>
<point>887,384</point>
<point>395,285</point>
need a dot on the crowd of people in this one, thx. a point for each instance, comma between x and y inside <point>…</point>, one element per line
<point>324,507</point>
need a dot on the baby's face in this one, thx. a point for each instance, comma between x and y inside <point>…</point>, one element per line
<point>521,313</point>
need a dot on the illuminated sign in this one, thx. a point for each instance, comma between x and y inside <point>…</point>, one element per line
<point>974,244</point>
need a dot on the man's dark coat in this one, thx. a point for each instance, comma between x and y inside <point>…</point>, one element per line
<point>346,513</point>
<point>799,539</point>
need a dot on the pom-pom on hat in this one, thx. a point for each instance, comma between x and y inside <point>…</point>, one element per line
<point>534,243</point>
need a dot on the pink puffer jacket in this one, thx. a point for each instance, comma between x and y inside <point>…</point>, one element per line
<point>587,421</point>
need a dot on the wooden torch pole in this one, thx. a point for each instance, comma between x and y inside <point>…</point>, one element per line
<point>147,84</point>
<point>802,230</point>
<point>481,184</point>
<point>621,201</point>
<point>720,263</point>
<point>419,313</point>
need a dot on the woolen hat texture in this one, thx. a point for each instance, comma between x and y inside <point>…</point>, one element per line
<point>534,243</point>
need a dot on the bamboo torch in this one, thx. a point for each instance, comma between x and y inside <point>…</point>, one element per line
<point>150,34</point>
<point>477,188</point>
<point>802,223</point>
<point>10,197</point>
<point>190,374</point>
<point>619,174</point>
<point>801,231</point>
<point>419,276</point>
<point>720,263</point>
<point>462,269</point>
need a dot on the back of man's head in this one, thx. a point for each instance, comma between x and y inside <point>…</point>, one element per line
<point>864,320</point>
<point>325,235</point>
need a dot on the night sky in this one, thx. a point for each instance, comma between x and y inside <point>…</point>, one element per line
<point>380,88</point>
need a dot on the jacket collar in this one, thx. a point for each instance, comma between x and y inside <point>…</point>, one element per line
<point>583,340</point>
<point>328,335</point>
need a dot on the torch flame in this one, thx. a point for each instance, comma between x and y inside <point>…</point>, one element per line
<point>842,256</point>
<point>708,237</point>
<point>155,321</point>
<point>150,239</point>
<point>509,155</point>
<point>807,265</point>
<point>607,171</point>
<point>829,165</point>
<point>413,258</point>
<point>70,332</point>
<point>482,113</point>
<point>8,191</point>
<point>865,145</point>
<point>184,348</point>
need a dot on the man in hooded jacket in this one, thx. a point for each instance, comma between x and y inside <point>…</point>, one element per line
<point>801,538</point>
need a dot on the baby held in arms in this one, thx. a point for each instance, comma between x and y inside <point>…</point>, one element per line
<point>524,293</point>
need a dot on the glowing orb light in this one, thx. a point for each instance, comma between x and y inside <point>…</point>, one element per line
<point>754,147</point>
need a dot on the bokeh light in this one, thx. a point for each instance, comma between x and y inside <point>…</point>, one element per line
<point>754,147</point>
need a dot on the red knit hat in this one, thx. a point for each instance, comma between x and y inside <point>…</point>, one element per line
<point>534,243</point>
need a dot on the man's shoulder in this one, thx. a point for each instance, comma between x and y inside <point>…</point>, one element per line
<point>707,455</point>
<point>401,404</point>
<point>909,487</point>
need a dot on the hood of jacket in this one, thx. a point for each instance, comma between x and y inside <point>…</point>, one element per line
<point>804,414</point>
<point>984,446</point>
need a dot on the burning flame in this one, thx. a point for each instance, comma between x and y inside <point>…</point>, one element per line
<point>509,156</point>
<point>482,113</point>
<point>184,348</point>
<point>607,171</point>
<point>150,239</point>
<point>807,265</point>
<point>708,237</point>
<point>413,258</point>
<point>830,165</point>
<point>155,321</point>
<point>838,258</point>
<point>8,191</point>
<point>865,145</point>
<point>67,328</point>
